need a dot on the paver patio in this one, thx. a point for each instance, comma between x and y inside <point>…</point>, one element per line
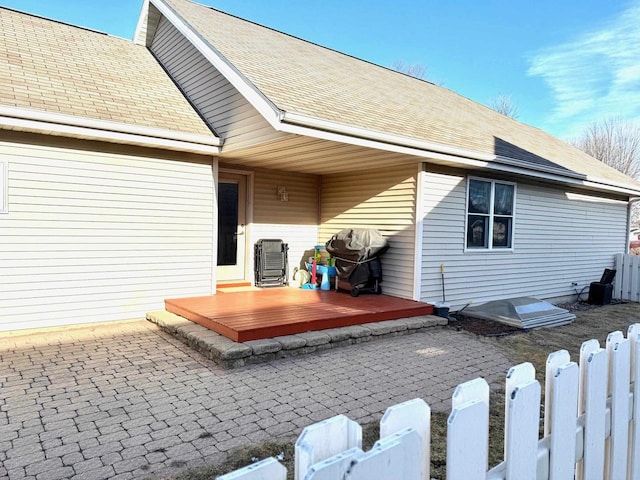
<point>125,400</point>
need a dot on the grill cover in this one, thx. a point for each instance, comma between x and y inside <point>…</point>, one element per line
<point>354,246</point>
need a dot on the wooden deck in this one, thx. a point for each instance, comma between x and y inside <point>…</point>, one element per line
<point>267,313</point>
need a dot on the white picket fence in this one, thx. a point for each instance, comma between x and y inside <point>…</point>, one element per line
<point>591,428</point>
<point>626,285</point>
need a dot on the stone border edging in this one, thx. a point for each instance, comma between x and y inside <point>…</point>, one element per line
<point>230,354</point>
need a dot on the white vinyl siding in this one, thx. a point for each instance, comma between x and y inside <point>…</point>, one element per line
<point>560,238</point>
<point>294,221</point>
<point>232,117</point>
<point>101,236</point>
<point>383,199</point>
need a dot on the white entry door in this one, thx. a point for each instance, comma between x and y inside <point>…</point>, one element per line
<point>232,241</point>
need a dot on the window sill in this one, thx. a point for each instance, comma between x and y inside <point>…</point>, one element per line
<point>489,250</point>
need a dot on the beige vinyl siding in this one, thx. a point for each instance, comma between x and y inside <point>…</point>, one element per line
<point>230,115</point>
<point>560,238</point>
<point>383,199</point>
<point>101,236</point>
<point>295,221</point>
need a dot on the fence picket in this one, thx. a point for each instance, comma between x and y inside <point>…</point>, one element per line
<point>619,353</point>
<point>417,415</point>
<point>633,334</point>
<point>391,458</point>
<point>593,404</point>
<point>521,438</point>
<point>625,280</point>
<point>617,282</point>
<point>626,284</point>
<point>517,375</point>
<point>333,467</point>
<point>473,390</point>
<point>563,418</point>
<point>323,440</point>
<point>467,441</point>
<point>635,279</point>
<point>555,360</point>
<point>267,469</point>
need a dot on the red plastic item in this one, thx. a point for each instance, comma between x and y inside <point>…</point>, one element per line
<point>314,268</point>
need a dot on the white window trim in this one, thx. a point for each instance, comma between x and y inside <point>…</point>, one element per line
<point>4,186</point>
<point>466,218</point>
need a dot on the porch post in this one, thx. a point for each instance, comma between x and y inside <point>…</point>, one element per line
<point>419,232</point>
<point>214,230</point>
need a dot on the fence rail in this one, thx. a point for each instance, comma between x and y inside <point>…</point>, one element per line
<point>591,428</point>
<point>626,285</point>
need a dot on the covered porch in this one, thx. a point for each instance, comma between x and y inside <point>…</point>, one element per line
<point>257,314</point>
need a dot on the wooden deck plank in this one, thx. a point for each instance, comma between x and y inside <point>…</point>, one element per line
<point>267,313</point>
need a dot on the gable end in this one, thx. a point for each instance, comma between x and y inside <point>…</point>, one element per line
<point>222,106</point>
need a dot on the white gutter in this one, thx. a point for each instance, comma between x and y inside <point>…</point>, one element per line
<point>305,125</point>
<point>260,102</point>
<point>67,125</point>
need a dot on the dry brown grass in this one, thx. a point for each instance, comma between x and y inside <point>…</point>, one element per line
<point>534,346</point>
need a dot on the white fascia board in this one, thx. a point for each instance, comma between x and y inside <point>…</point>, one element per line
<point>328,126</point>
<point>60,119</point>
<point>626,187</point>
<point>610,187</point>
<point>20,124</point>
<point>255,97</point>
<point>303,125</point>
<point>142,19</point>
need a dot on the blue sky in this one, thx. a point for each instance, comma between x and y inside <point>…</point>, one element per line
<point>564,63</point>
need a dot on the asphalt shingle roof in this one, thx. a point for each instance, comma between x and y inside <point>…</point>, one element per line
<point>304,78</point>
<point>58,68</point>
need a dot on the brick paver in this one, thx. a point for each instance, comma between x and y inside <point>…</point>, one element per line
<point>126,400</point>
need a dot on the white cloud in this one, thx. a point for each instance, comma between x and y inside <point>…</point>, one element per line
<point>595,75</point>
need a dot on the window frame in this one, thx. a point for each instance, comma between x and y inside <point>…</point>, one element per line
<point>4,187</point>
<point>491,215</point>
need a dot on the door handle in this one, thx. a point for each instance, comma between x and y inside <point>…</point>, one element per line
<point>240,230</point>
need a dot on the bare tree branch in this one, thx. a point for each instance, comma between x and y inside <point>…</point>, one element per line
<point>417,70</point>
<point>504,105</point>
<point>615,142</point>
